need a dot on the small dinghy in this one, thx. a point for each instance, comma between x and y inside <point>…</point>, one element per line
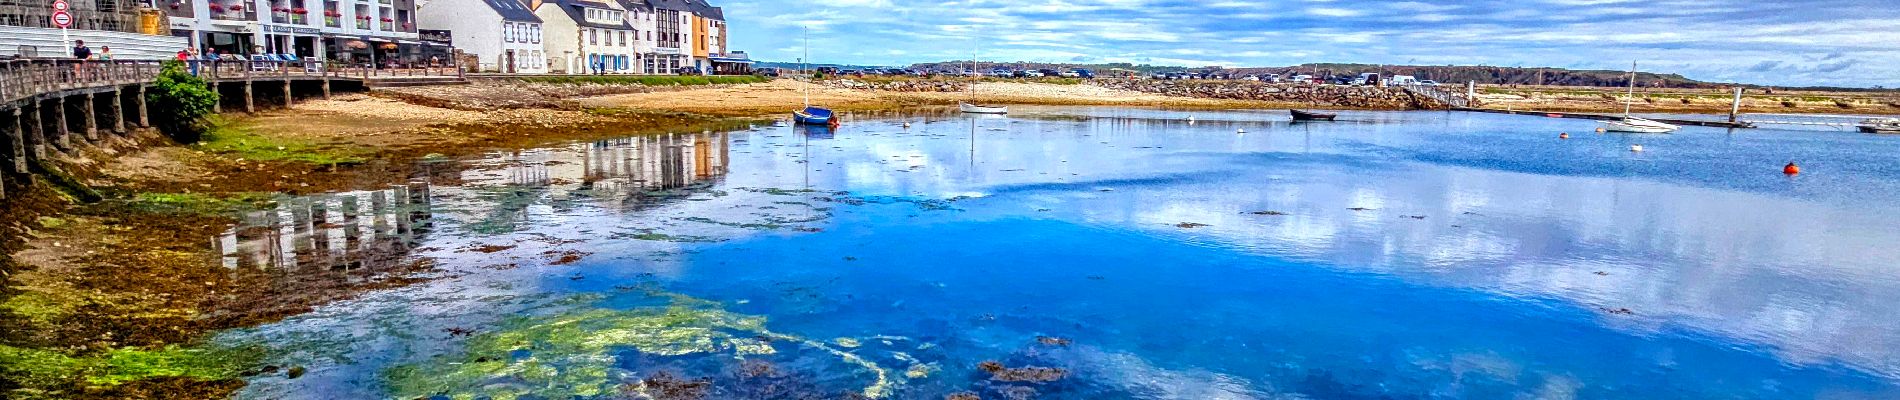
<point>1311,116</point>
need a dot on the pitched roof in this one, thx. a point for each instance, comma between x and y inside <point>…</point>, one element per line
<point>512,10</point>
<point>679,5</point>
<point>706,10</point>
<point>574,10</point>
<point>630,5</point>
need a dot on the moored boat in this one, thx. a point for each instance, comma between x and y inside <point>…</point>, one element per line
<point>982,109</point>
<point>1311,116</point>
<point>1880,125</point>
<point>1633,124</point>
<point>1638,125</point>
<point>814,115</point>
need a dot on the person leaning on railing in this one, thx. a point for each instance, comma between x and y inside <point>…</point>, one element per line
<point>80,52</point>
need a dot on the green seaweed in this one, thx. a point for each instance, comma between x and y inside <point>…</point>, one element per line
<point>48,368</point>
<point>200,203</point>
<point>571,353</point>
<point>237,140</point>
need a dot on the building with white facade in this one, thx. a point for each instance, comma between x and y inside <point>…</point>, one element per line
<point>501,35</point>
<point>673,33</point>
<point>380,32</point>
<point>586,37</point>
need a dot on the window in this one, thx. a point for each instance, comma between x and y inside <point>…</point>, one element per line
<point>537,34</point>
<point>623,38</point>
<point>508,32</point>
<point>593,36</point>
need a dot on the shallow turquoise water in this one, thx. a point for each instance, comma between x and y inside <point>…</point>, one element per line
<point>1406,255</point>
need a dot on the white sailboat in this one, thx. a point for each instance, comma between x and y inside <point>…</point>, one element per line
<point>1634,124</point>
<point>971,106</point>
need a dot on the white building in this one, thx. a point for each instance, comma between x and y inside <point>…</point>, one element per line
<point>673,34</point>
<point>586,37</point>
<point>349,30</point>
<point>502,35</point>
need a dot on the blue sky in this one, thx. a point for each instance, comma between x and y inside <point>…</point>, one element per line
<point>1824,42</point>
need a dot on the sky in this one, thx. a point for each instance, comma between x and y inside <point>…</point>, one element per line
<point>1774,42</point>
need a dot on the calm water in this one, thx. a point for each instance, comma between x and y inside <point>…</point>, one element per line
<point>1395,255</point>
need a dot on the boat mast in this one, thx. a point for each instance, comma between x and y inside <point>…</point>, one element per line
<point>1632,93</point>
<point>806,69</point>
<point>973,72</point>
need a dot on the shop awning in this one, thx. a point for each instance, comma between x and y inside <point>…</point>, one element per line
<point>730,60</point>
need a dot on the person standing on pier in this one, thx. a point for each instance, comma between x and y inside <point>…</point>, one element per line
<point>81,53</point>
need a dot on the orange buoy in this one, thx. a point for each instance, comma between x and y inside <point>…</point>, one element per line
<point>1791,169</point>
<point>1563,135</point>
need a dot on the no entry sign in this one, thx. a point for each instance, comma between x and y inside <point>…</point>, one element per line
<point>59,6</point>
<point>62,19</point>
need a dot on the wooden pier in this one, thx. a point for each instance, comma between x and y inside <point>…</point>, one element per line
<point>1607,117</point>
<point>50,107</point>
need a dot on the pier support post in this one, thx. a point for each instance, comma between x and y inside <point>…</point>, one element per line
<point>88,117</point>
<point>1736,107</point>
<point>115,112</point>
<point>33,131</point>
<point>138,102</point>
<point>217,107</point>
<point>326,88</point>
<point>61,134</point>
<point>16,142</point>
<point>287,97</point>
<point>250,101</point>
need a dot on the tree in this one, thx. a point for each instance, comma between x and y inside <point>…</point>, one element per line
<point>180,102</point>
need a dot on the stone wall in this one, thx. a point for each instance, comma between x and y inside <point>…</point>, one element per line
<point>1385,98</point>
<point>901,85</point>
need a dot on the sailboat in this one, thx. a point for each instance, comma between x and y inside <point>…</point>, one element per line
<point>1634,124</point>
<point>971,106</point>
<point>812,115</point>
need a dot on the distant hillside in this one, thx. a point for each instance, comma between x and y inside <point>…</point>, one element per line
<point>1446,74</point>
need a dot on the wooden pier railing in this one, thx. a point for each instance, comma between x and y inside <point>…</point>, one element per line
<point>26,78</point>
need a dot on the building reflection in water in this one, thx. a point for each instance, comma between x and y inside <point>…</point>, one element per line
<point>340,231</point>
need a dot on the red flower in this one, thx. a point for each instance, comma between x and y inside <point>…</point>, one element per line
<point>237,7</point>
<point>217,7</point>
<point>389,19</point>
<point>299,11</point>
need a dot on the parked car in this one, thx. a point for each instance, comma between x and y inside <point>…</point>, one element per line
<point>828,70</point>
<point>1049,72</point>
<point>1302,78</point>
<point>1402,80</point>
<point>769,72</point>
<point>1427,82</point>
<point>1084,73</point>
<point>1369,78</point>
<point>688,71</point>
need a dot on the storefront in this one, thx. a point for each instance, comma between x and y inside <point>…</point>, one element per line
<point>376,51</point>
<point>664,61</point>
<point>299,41</point>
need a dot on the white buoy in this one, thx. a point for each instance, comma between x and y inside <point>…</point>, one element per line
<point>1241,130</point>
<point>1190,118</point>
<point>1636,148</point>
<point>906,124</point>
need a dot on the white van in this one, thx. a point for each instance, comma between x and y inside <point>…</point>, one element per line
<point>1369,78</point>
<point>1402,80</point>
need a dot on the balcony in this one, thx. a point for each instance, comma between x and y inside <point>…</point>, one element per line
<point>232,10</point>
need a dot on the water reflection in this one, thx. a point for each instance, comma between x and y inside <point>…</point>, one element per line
<point>342,231</point>
<point>1402,255</point>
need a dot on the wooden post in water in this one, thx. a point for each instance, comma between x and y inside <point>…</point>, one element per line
<point>61,134</point>
<point>33,132</point>
<point>88,117</point>
<point>138,102</point>
<point>1736,107</point>
<point>115,111</point>
<point>250,101</point>
<point>16,142</point>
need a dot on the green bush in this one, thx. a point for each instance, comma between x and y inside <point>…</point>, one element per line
<point>180,102</point>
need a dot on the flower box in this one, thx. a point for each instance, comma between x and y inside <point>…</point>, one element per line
<point>299,11</point>
<point>236,7</point>
<point>217,7</point>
